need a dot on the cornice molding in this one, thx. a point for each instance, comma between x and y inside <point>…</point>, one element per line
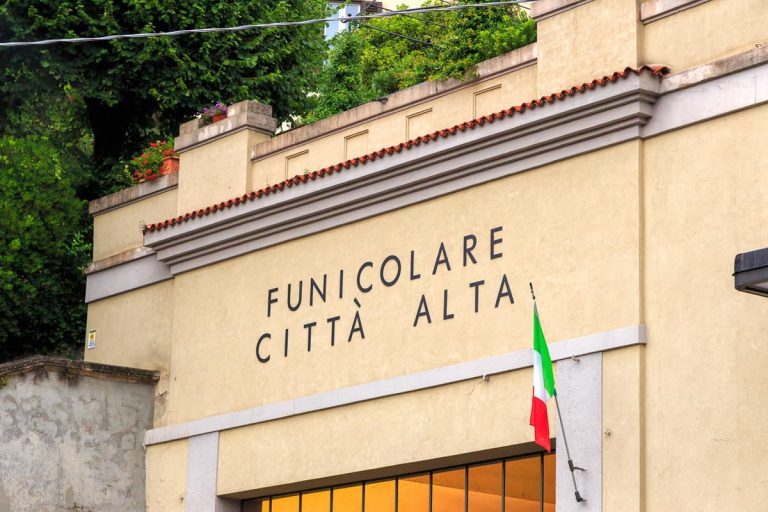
<point>142,269</point>
<point>493,365</point>
<point>563,129</point>
<point>585,122</point>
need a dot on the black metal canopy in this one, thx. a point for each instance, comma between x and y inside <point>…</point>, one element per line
<point>750,272</point>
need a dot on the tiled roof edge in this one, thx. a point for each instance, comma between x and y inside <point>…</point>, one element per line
<point>658,71</point>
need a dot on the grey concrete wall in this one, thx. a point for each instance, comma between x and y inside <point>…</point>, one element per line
<point>580,391</point>
<point>72,442</point>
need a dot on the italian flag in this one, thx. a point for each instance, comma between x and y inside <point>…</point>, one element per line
<point>543,384</point>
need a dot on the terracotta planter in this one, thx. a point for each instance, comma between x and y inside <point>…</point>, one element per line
<point>170,165</point>
<point>219,117</point>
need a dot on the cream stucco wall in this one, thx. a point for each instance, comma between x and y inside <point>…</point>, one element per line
<point>119,230</point>
<point>706,415</point>
<point>134,329</point>
<point>623,430</point>
<point>555,223</point>
<point>444,112</point>
<point>587,42</point>
<point>706,32</point>
<point>167,476</point>
<point>216,171</point>
<point>377,434</point>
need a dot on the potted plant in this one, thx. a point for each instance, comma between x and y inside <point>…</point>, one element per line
<point>157,160</point>
<point>213,114</point>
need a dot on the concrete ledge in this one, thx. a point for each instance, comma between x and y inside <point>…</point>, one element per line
<point>142,269</point>
<point>400,100</point>
<point>248,114</point>
<point>716,69</point>
<point>133,194</point>
<point>406,468</point>
<point>118,259</point>
<point>653,10</point>
<point>511,361</point>
<point>72,367</point>
<point>710,91</point>
<point>604,116</point>
<point>544,9</point>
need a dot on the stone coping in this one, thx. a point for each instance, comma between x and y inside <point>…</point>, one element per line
<point>652,10</point>
<point>118,259</point>
<point>133,194</point>
<point>247,114</point>
<point>79,368</point>
<point>712,70</point>
<point>544,9</point>
<point>397,101</point>
<point>251,114</point>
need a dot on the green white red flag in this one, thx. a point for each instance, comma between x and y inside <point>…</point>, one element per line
<point>543,384</point>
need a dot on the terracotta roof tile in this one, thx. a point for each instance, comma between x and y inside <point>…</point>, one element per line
<point>658,71</point>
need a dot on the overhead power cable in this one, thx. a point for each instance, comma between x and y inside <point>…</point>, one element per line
<point>363,25</point>
<point>174,33</point>
<point>422,20</point>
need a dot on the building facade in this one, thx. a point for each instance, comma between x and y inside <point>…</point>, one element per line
<point>341,314</point>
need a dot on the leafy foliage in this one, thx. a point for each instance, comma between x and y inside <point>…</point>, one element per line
<point>148,165</point>
<point>366,63</point>
<point>42,251</point>
<point>71,115</point>
<point>134,90</point>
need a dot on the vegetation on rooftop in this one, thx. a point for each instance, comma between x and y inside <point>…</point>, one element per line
<point>372,59</point>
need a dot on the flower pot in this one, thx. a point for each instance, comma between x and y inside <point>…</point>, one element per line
<point>170,165</point>
<point>219,117</point>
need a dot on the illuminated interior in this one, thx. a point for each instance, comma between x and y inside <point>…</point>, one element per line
<point>525,484</point>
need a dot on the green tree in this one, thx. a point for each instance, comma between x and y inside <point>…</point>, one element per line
<point>134,90</point>
<point>368,62</point>
<point>42,251</point>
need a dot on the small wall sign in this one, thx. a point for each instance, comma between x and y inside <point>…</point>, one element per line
<point>92,339</point>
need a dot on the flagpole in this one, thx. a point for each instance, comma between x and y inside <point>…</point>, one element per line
<point>571,466</point>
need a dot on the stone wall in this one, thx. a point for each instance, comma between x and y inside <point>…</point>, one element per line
<point>71,436</point>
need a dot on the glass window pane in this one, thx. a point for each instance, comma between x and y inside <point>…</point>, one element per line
<point>413,493</point>
<point>523,485</point>
<point>380,496</point>
<point>448,490</point>
<point>258,505</point>
<point>549,482</point>
<point>348,499</point>
<point>485,488</point>
<point>318,501</point>
<point>286,504</point>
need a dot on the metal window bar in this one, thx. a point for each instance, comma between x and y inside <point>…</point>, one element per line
<point>541,483</point>
<point>331,489</point>
<point>431,473</point>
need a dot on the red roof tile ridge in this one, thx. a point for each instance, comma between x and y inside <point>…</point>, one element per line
<point>658,71</point>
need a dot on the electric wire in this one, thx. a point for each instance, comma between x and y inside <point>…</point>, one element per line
<point>422,20</point>
<point>175,33</point>
<point>363,25</point>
